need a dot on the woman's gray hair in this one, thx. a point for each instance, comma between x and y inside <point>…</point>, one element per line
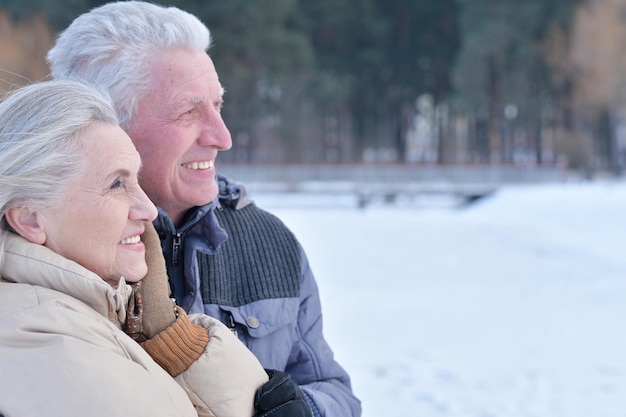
<point>41,140</point>
<point>111,46</point>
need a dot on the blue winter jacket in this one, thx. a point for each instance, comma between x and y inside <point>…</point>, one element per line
<point>267,293</point>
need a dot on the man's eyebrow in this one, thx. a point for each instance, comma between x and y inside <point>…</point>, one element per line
<point>196,100</point>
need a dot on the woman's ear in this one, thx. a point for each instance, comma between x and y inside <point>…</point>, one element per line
<point>26,223</point>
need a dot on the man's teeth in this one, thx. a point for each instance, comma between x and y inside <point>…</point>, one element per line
<point>199,165</point>
<point>129,240</point>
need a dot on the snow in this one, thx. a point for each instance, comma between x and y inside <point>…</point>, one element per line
<point>514,306</point>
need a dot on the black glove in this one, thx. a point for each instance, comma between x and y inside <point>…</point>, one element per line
<point>280,397</point>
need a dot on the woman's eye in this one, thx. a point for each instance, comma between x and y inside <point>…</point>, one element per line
<point>117,184</point>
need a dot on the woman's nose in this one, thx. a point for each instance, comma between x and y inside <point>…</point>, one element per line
<point>143,209</point>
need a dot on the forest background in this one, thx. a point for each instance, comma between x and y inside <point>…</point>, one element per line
<point>440,82</point>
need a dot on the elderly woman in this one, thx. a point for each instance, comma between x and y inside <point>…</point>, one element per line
<point>70,254</point>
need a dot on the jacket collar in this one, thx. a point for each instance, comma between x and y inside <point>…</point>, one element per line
<point>231,193</point>
<point>28,263</point>
<point>201,224</point>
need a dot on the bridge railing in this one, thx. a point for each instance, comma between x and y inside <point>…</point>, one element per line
<point>368,181</point>
<point>494,175</point>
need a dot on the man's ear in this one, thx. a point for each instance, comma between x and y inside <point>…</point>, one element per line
<point>27,223</point>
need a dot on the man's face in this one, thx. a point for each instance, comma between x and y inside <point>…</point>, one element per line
<point>178,131</point>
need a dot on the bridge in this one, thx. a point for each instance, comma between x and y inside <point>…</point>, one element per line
<point>388,181</point>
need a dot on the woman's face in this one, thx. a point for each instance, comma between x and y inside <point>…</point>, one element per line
<point>103,210</point>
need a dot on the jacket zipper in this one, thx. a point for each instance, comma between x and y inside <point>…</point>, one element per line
<point>230,323</point>
<point>176,248</point>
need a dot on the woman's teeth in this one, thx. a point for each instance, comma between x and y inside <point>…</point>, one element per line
<point>129,240</point>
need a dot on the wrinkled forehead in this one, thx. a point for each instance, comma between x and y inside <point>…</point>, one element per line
<point>107,148</point>
<point>178,67</point>
<point>182,76</point>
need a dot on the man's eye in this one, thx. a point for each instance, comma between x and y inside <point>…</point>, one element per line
<point>188,112</point>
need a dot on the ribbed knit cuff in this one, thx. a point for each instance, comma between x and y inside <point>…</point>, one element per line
<point>178,346</point>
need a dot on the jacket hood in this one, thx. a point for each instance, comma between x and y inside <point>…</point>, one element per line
<point>28,263</point>
<point>231,193</point>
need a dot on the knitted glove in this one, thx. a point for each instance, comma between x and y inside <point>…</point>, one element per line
<point>133,326</point>
<point>280,397</point>
<point>179,346</point>
<point>173,341</point>
<point>158,307</point>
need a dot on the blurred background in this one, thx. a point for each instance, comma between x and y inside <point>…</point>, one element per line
<point>525,85</point>
<point>511,306</point>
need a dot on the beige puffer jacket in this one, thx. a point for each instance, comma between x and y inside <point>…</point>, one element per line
<point>62,352</point>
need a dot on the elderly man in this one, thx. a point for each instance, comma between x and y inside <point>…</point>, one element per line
<point>225,257</point>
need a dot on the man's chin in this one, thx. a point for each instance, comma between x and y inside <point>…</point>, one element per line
<point>209,195</point>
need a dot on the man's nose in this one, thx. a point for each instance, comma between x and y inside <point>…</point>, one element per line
<point>215,133</point>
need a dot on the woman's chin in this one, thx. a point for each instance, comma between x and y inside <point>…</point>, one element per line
<point>136,274</point>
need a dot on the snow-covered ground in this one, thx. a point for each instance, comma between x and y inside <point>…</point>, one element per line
<point>512,307</point>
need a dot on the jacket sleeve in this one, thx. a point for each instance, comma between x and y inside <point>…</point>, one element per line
<point>311,363</point>
<point>61,358</point>
<point>221,378</point>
